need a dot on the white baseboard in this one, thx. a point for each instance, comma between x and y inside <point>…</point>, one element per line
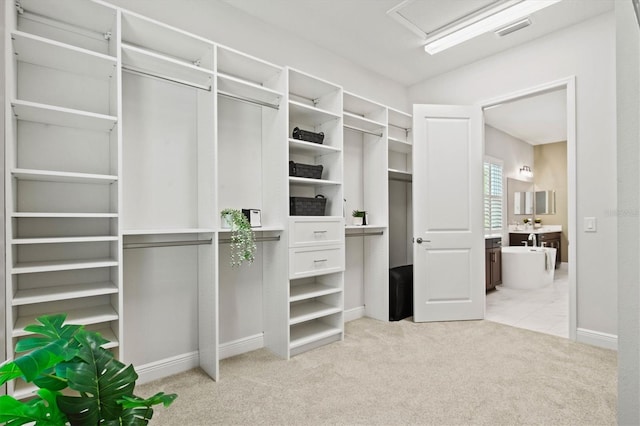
<point>353,314</point>
<point>240,346</point>
<point>167,367</point>
<point>596,338</point>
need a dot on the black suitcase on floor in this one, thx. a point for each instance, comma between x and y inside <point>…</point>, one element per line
<point>400,292</point>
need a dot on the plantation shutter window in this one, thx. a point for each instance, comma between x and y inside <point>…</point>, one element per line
<point>493,195</point>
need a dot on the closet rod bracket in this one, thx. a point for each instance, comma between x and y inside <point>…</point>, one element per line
<point>19,8</point>
<point>107,35</point>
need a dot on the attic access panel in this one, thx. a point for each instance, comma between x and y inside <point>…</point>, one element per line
<point>425,17</point>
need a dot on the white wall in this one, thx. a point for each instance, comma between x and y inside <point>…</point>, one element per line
<point>513,151</point>
<point>222,23</point>
<point>586,50</point>
<point>628,107</point>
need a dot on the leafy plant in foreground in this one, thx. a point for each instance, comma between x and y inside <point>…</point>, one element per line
<point>98,388</point>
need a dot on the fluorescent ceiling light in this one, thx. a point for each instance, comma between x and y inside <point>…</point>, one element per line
<point>472,29</point>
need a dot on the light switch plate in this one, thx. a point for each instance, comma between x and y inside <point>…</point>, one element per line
<point>590,224</point>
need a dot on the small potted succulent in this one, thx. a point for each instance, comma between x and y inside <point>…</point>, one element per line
<point>243,244</point>
<point>537,223</point>
<point>359,217</point>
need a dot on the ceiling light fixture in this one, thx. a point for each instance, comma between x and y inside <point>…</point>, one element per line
<point>512,28</point>
<point>468,29</point>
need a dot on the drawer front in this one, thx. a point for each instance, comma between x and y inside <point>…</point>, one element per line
<point>305,233</point>
<point>308,262</point>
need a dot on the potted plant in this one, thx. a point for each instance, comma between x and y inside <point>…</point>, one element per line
<point>243,244</point>
<point>359,217</point>
<point>537,222</point>
<point>98,389</point>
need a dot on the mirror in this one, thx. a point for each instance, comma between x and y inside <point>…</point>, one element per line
<point>523,202</point>
<point>545,202</point>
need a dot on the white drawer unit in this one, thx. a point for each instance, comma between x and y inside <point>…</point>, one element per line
<point>314,231</point>
<point>312,261</point>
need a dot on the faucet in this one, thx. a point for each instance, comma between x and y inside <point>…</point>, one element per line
<point>534,238</point>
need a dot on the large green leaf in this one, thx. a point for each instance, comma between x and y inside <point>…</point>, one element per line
<point>51,328</point>
<point>101,380</point>
<point>9,371</point>
<point>138,416</point>
<point>43,411</point>
<point>159,398</point>
<point>34,363</point>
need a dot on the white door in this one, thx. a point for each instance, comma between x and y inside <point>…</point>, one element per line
<point>448,248</point>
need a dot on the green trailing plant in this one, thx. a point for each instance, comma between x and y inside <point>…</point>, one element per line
<point>80,382</point>
<point>243,243</point>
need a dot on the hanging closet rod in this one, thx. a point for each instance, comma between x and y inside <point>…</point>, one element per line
<point>365,234</point>
<point>165,78</point>
<point>406,129</point>
<point>313,100</point>
<point>166,244</point>
<point>358,129</point>
<point>257,239</point>
<point>248,100</point>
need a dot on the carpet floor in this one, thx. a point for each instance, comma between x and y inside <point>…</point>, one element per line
<point>404,373</point>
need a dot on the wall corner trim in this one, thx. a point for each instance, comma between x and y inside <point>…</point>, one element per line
<point>354,313</point>
<point>240,346</point>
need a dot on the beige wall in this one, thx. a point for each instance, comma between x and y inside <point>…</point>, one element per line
<point>550,173</point>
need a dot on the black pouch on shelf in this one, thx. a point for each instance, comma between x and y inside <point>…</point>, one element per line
<point>305,135</point>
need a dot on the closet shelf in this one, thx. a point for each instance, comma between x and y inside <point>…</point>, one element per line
<point>61,240</point>
<point>62,265</point>
<point>52,54</point>
<point>248,90</point>
<point>63,292</point>
<point>87,16</point>
<point>307,311</point>
<point>308,115</point>
<point>309,291</point>
<point>150,35</point>
<point>259,229</point>
<point>64,215</point>
<point>309,148</point>
<point>59,116</point>
<point>354,120</point>
<point>242,66</point>
<point>312,182</point>
<point>398,145</point>
<point>82,316</point>
<point>309,332</point>
<point>54,176</point>
<point>309,87</point>
<point>400,175</point>
<point>166,231</point>
<point>141,60</point>
<point>365,227</point>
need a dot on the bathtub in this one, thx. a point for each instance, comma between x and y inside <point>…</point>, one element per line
<point>528,267</point>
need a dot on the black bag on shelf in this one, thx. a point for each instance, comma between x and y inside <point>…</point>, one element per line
<point>304,206</point>
<point>305,170</point>
<point>305,135</point>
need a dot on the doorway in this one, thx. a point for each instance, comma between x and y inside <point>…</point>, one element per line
<point>558,299</point>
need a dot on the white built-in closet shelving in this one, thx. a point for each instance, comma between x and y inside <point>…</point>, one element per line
<point>126,137</point>
<point>365,158</point>
<point>62,168</point>
<point>400,169</point>
<point>315,300</point>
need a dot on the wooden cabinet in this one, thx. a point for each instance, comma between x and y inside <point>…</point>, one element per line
<point>550,239</point>
<point>493,262</point>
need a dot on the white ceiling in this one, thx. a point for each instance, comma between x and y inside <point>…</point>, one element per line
<point>363,32</point>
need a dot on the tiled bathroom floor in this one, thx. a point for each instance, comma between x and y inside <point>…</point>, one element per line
<point>545,310</point>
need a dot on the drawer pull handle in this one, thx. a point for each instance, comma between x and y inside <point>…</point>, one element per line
<point>320,260</point>
<point>319,232</point>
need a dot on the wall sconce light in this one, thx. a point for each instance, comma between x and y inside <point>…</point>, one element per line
<point>526,171</point>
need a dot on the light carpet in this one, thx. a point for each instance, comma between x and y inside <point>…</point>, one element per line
<point>451,373</point>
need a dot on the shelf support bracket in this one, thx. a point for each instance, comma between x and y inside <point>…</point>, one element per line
<point>19,8</point>
<point>107,35</point>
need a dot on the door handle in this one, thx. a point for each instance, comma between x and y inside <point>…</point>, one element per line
<point>419,240</point>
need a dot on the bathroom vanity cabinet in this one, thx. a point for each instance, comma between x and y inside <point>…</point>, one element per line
<point>493,262</point>
<point>551,239</point>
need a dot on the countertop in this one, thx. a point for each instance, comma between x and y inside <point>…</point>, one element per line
<point>531,230</point>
